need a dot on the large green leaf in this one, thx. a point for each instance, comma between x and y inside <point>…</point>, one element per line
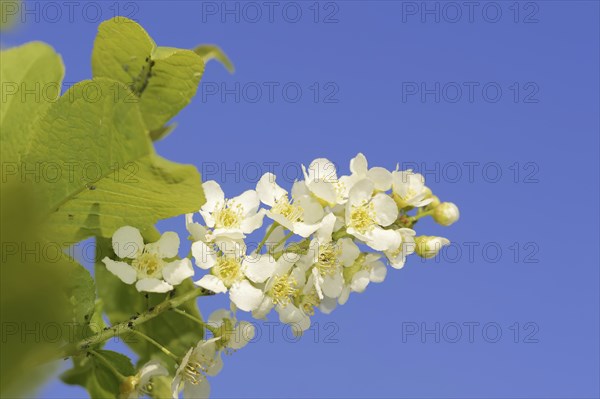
<point>121,301</point>
<point>148,189</point>
<point>98,378</point>
<point>42,293</point>
<point>113,178</point>
<point>30,79</point>
<point>165,79</point>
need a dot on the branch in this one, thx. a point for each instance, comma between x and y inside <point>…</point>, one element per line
<point>128,325</point>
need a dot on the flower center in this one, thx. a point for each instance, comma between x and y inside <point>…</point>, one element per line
<point>148,264</point>
<point>228,217</point>
<point>192,372</point>
<point>227,332</point>
<point>283,288</point>
<point>362,217</point>
<point>228,270</point>
<point>309,302</point>
<point>328,259</point>
<point>146,389</point>
<point>283,206</point>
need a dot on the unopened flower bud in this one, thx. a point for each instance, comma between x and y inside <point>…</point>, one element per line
<point>429,246</point>
<point>446,213</point>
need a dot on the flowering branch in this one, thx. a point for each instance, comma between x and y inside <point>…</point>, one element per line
<point>128,325</point>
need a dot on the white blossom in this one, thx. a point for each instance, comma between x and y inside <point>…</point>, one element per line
<point>199,362</point>
<point>409,189</point>
<point>367,213</point>
<point>301,214</point>
<point>233,218</point>
<point>234,271</point>
<point>152,266</point>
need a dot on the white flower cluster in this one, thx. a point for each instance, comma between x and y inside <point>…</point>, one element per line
<point>347,227</point>
<point>342,230</point>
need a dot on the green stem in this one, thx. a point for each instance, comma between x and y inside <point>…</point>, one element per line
<point>128,325</point>
<point>158,345</point>
<point>284,239</point>
<point>109,365</point>
<point>197,320</point>
<point>422,214</point>
<point>267,234</point>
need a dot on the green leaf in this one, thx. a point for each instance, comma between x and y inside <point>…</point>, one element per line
<point>121,301</point>
<point>98,378</point>
<point>172,83</point>
<point>30,78</point>
<point>42,289</point>
<point>211,52</point>
<point>122,51</point>
<point>114,178</point>
<point>165,79</point>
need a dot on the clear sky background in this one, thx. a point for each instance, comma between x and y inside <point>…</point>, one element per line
<point>497,103</point>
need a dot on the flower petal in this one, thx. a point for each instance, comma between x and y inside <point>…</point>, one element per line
<point>216,318</point>
<point>175,272</point>
<point>196,230</point>
<point>127,242</point>
<point>322,169</point>
<point>332,285</point>
<point>248,200</point>
<point>382,240</point>
<point>204,256</point>
<point>378,272</point>
<point>244,333</point>
<point>327,305</point>
<point>253,222</point>
<point>349,251</point>
<point>151,369</point>
<point>167,246</point>
<point>303,229</point>
<point>125,272</point>
<point>245,296</point>
<point>201,390</point>
<point>268,190</point>
<point>325,230</point>
<point>324,190</point>
<point>211,283</point>
<point>386,210</point>
<point>153,285</point>
<point>259,268</point>
<point>289,313</point>
<point>214,195</point>
<point>345,295</point>
<point>264,308</point>
<point>381,177</point>
<point>360,281</point>
<point>313,211</point>
<point>360,192</point>
<point>359,165</point>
